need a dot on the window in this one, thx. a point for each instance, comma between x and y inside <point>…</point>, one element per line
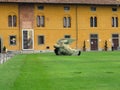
<point>115,35</point>
<point>93,8</point>
<point>40,7</point>
<point>12,40</point>
<point>114,21</point>
<point>40,21</point>
<point>66,8</point>
<point>94,36</point>
<point>67,22</point>
<point>93,21</point>
<point>67,36</point>
<point>12,20</point>
<point>40,39</point>
<point>114,9</point>
<point>27,39</point>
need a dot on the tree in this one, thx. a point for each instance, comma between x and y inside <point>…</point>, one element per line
<point>84,46</point>
<point>105,47</point>
<point>4,49</point>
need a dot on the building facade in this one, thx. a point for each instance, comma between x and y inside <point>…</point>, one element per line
<point>30,25</point>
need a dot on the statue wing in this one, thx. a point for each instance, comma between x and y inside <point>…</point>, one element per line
<point>70,40</point>
<point>66,40</point>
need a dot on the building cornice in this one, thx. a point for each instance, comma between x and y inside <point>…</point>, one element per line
<point>83,2</point>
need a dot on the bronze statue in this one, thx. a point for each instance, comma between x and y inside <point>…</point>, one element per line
<point>62,47</point>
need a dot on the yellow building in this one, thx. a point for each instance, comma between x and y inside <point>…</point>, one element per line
<point>37,24</point>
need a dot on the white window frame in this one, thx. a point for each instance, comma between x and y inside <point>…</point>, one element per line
<point>32,38</point>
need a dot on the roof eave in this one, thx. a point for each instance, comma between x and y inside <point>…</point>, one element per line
<point>101,4</point>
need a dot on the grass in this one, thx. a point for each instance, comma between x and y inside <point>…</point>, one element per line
<point>46,71</point>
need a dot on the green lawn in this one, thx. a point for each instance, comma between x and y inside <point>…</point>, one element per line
<point>46,71</point>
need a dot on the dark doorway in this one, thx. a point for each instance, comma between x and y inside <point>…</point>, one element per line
<point>115,41</point>
<point>94,41</point>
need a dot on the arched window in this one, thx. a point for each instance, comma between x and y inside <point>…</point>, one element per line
<point>40,21</point>
<point>64,22</point>
<point>114,21</point>
<point>67,22</point>
<point>12,20</point>
<point>93,21</point>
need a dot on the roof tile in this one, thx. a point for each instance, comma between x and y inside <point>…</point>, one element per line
<point>101,2</point>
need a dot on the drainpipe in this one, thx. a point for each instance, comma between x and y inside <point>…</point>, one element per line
<point>19,27</point>
<point>76,27</point>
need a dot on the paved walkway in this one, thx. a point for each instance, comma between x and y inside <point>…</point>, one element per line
<point>5,57</point>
